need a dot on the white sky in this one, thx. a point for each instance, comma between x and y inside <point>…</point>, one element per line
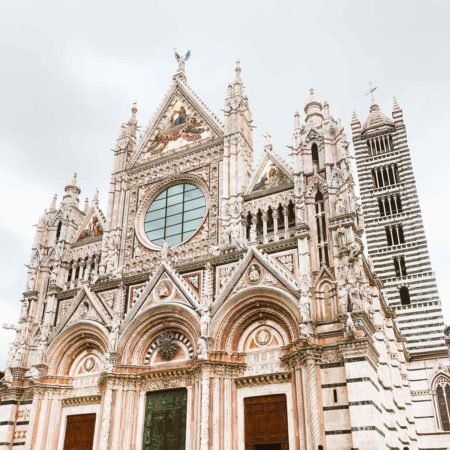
<point>70,71</point>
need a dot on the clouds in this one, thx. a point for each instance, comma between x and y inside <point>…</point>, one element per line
<point>70,71</point>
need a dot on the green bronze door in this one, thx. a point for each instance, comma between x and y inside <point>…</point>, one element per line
<point>165,420</point>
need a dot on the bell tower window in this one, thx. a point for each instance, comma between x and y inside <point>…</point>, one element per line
<point>404,296</point>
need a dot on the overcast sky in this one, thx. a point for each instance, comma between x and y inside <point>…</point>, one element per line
<point>71,69</point>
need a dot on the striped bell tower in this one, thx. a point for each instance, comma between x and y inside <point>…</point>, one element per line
<point>395,233</point>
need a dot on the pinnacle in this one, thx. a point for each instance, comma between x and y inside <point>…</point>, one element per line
<point>354,117</point>
<point>238,70</point>
<point>396,105</point>
<point>296,120</point>
<point>53,203</point>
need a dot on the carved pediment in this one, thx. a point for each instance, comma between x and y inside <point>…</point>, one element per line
<point>182,121</point>
<point>271,172</point>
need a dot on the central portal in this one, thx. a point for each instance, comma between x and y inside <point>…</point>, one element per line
<point>165,420</point>
<point>266,423</point>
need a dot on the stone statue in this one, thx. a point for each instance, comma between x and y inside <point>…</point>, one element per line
<point>339,206</point>
<point>164,251</point>
<point>349,325</point>
<point>114,335</point>
<point>305,331</point>
<point>182,60</point>
<point>254,273</point>
<point>18,356</point>
<point>84,309</point>
<point>305,307</point>
<point>253,232</point>
<point>202,348</point>
<point>205,319</point>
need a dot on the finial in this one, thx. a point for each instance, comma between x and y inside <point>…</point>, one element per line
<point>74,180</point>
<point>86,205</point>
<point>181,61</point>
<point>53,203</point>
<point>354,117</point>
<point>134,107</point>
<point>268,144</point>
<point>371,91</point>
<point>296,120</point>
<point>238,70</point>
<point>95,198</point>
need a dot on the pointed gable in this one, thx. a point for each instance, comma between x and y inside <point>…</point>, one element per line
<point>257,268</point>
<point>181,121</point>
<point>92,225</point>
<point>166,285</point>
<point>270,173</point>
<point>85,306</point>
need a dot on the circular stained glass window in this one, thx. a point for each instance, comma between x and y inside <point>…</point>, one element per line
<point>175,214</point>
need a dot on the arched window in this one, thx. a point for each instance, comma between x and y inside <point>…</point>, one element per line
<point>404,295</point>
<point>315,155</point>
<point>443,402</point>
<point>58,230</point>
<point>321,225</point>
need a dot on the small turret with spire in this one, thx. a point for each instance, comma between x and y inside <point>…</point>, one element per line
<point>71,191</point>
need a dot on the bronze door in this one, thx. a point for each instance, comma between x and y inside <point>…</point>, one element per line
<point>79,432</point>
<point>165,420</point>
<point>266,423</point>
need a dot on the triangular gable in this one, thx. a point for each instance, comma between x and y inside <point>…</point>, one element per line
<point>312,134</point>
<point>270,172</point>
<point>164,272</point>
<point>182,120</point>
<point>92,226</point>
<point>96,310</point>
<point>253,254</point>
<point>324,274</point>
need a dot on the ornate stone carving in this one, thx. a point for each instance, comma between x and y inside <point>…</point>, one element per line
<point>254,273</point>
<point>167,345</point>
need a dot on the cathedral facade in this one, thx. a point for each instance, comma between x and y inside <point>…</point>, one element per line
<point>218,304</point>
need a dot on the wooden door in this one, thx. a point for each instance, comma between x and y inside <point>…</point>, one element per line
<point>266,423</point>
<point>80,432</point>
<point>165,420</point>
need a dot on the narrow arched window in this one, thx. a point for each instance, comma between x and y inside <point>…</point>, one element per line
<point>58,230</point>
<point>321,225</point>
<point>443,403</point>
<point>315,155</point>
<point>404,296</point>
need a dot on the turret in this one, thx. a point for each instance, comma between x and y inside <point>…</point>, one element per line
<point>71,192</point>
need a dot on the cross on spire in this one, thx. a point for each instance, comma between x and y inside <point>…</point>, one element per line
<point>371,91</point>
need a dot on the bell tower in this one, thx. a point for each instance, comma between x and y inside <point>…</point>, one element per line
<point>395,232</point>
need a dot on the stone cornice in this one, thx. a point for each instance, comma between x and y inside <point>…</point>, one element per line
<point>84,400</point>
<point>273,378</point>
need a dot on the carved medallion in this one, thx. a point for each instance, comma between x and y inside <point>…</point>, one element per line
<point>164,290</point>
<point>263,336</point>
<point>89,364</point>
<point>254,273</point>
<point>167,346</point>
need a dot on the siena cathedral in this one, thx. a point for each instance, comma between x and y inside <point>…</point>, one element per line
<point>225,304</point>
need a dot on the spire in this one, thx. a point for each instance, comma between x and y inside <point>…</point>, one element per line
<point>95,197</point>
<point>296,120</point>
<point>237,70</point>
<point>397,112</point>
